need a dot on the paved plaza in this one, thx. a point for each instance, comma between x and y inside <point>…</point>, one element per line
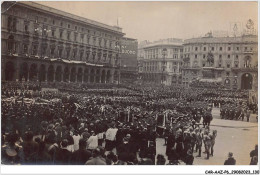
<point>233,136</point>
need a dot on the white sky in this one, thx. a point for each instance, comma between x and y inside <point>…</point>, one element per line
<point>158,20</point>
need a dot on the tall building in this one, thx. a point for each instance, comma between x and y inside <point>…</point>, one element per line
<point>128,59</point>
<point>231,61</point>
<point>161,61</point>
<point>40,43</point>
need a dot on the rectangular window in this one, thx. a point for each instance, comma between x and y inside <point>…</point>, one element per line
<point>228,56</point>
<point>61,33</point>
<point>245,48</point>
<point>237,48</point>
<point>227,73</point>
<point>88,39</point>
<point>52,51</point>
<point>60,52</point>
<point>74,53</point>
<point>237,56</point>
<point>68,53</point>
<point>52,32</point>
<point>81,37</point>
<point>220,48</point>
<point>68,36</point>
<point>204,48</point>
<point>25,48</point>
<point>196,48</point>
<point>34,52</point>
<point>75,37</point>
<point>204,56</point>
<point>69,26</point>
<point>219,65</point>
<point>228,65</point>
<point>195,56</point>
<point>99,42</point>
<point>81,55</point>
<point>220,56</point>
<point>26,28</point>
<point>212,48</point>
<point>229,48</point>
<point>44,48</point>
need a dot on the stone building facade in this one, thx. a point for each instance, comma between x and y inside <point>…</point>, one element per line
<point>162,61</point>
<point>231,61</point>
<point>128,68</point>
<point>40,43</point>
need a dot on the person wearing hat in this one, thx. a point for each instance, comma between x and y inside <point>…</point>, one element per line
<point>254,155</point>
<point>230,160</point>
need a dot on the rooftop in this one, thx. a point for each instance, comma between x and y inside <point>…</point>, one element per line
<point>245,38</point>
<point>69,15</point>
<point>165,42</point>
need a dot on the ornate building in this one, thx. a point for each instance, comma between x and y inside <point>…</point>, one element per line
<point>40,43</point>
<point>231,61</point>
<point>128,59</point>
<point>161,61</point>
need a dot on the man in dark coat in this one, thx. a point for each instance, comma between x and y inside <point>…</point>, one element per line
<point>254,153</point>
<point>230,160</point>
<point>30,148</point>
<point>63,156</point>
<point>82,155</point>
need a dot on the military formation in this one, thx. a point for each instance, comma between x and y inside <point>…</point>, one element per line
<point>118,127</point>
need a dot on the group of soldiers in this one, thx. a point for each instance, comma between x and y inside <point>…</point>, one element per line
<point>235,112</point>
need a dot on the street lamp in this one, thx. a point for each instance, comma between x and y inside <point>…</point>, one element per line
<point>164,53</point>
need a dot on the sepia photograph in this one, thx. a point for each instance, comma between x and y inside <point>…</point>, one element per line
<point>129,83</point>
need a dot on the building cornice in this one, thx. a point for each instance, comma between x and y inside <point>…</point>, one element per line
<point>71,17</point>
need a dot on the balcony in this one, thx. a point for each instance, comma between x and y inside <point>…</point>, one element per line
<point>248,52</point>
<point>244,69</point>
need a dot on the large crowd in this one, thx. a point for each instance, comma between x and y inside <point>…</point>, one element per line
<point>109,126</point>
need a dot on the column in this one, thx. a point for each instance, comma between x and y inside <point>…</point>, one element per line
<point>76,77</point>
<point>17,72</point>
<point>111,77</point>
<point>105,77</point>
<point>69,75</point>
<point>119,76</point>
<point>37,76</point>
<point>46,75</point>
<point>54,75</point>
<point>88,80</point>
<point>28,73</point>
<point>61,76</point>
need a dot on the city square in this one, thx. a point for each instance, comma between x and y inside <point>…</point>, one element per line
<point>76,91</point>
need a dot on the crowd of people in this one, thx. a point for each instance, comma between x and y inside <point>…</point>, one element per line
<point>108,126</point>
